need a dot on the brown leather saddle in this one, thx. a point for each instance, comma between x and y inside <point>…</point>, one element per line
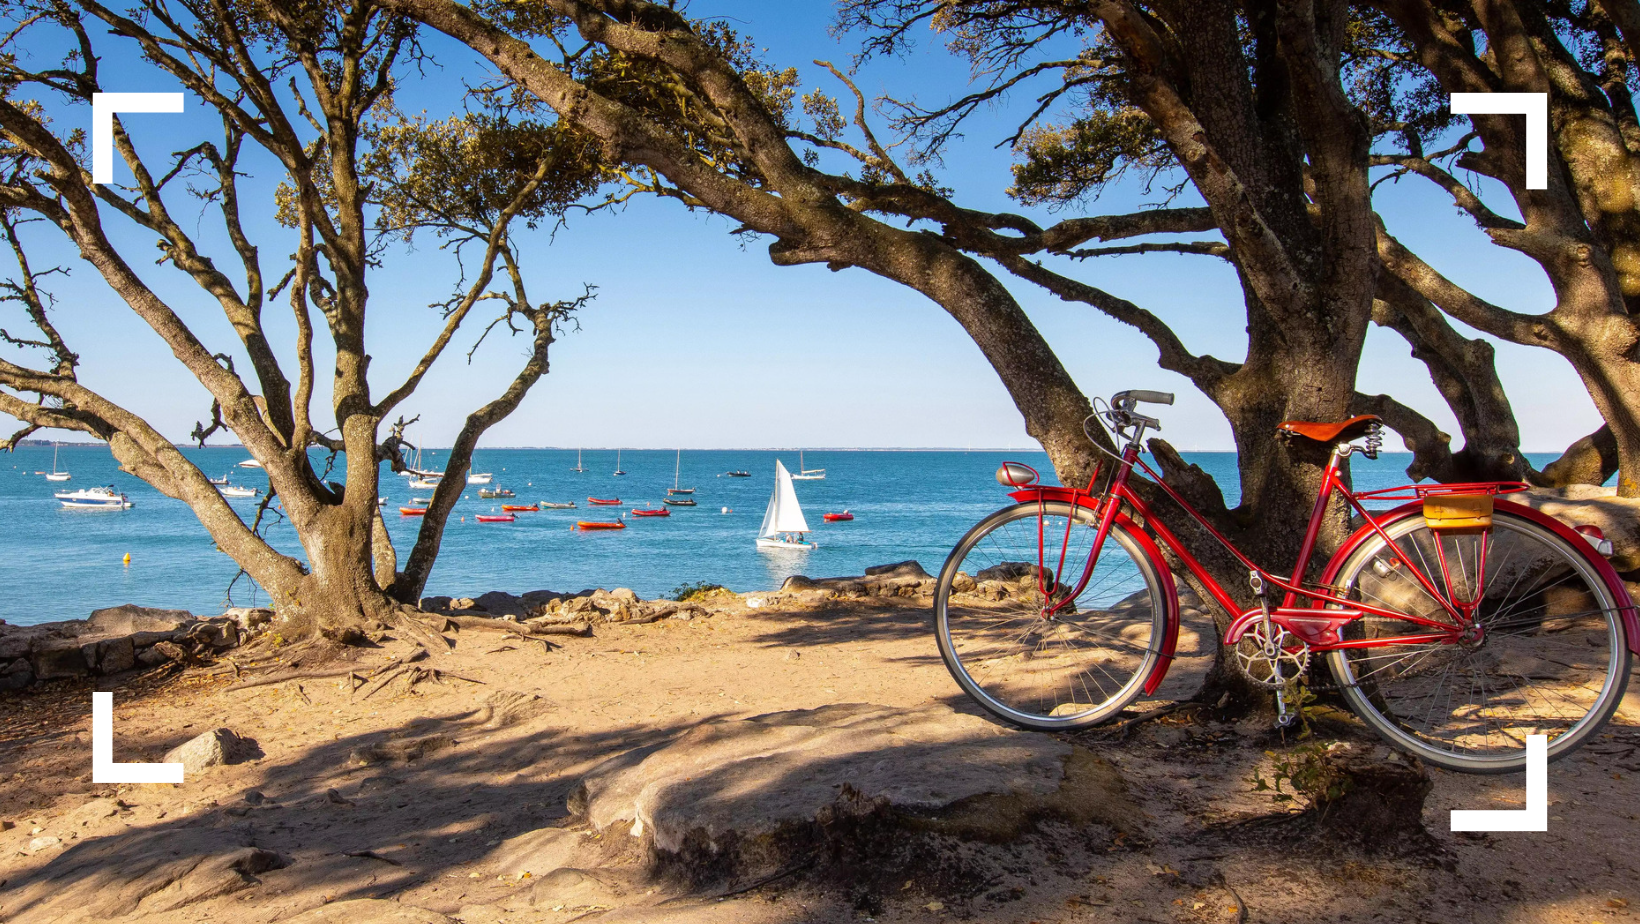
<point>1339,431</point>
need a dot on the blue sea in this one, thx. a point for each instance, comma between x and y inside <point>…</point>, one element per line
<point>62,564</point>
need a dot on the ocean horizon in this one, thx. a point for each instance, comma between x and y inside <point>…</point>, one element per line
<point>909,504</point>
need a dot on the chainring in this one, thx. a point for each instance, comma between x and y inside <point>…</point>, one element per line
<point>1272,662</point>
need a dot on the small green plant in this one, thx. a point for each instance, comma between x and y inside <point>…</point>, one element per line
<point>1303,775</point>
<point>698,590</point>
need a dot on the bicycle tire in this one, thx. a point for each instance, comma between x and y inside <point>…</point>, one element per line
<point>1553,661</point>
<point>996,642</point>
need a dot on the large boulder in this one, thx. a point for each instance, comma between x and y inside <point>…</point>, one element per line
<point>55,658</point>
<point>124,620</point>
<point>1590,505</point>
<point>738,799</point>
<point>109,655</point>
<point>109,877</point>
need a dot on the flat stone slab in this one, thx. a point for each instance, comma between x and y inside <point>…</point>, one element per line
<point>741,797</point>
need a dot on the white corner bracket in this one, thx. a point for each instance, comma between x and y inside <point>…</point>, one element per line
<point>1535,817</point>
<point>103,107</point>
<point>1535,107</point>
<point>103,768</point>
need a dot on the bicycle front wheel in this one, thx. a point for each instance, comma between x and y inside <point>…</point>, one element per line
<point>1074,667</point>
<point>1550,657</point>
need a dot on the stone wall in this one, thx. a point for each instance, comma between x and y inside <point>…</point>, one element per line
<point>115,640</point>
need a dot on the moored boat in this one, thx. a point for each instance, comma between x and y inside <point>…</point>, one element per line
<point>838,517</point>
<point>736,474</point>
<point>618,469</point>
<point>783,523</point>
<point>807,474</point>
<point>413,511</point>
<point>599,524</point>
<point>250,463</point>
<point>56,474</point>
<point>604,502</point>
<point>519,507</point>
<point>95,498</point>
<point>218,481</point>
<point>651,512</point>
<point>545,505</point>
<point>495,518</point>
<point>578,466</point>
<point>493,493</point>
<point>233,490</point>
<point>480,478</point>
<point>679,501</point>
<point>677,467</point>
<point>424,484</point>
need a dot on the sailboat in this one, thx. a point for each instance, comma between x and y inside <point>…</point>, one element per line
<point>578,467</point>
<point>807,474</point>
<point>54,474</point>
<point>618,470</point>
<point>677,467</point>
<point>783,523</point>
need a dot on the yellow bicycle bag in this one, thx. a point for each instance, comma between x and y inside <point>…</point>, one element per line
<point>1458,511</point>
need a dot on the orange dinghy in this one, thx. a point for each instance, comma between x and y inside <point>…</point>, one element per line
<point>658,512</point>
<point>413,511</point>
<point>843,517</point>
<point>503,518</point>
<point>601,502</point>
<point>594,524</point>
<point>519,507</point>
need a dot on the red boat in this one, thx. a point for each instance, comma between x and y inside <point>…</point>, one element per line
<point>413,511</point>
<point>604,503</point>
<point>838,517</point>
<point>519,507</point>
<point>496,518</point>
<point>592,524</point>
<point>663,512</point>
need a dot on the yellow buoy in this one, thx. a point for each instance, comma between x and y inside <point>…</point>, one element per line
<point>128,559</point>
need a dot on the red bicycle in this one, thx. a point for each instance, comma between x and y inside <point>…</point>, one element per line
<point>1456,624</point>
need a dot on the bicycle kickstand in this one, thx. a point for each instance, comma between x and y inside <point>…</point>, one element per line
<point>1284,716</point>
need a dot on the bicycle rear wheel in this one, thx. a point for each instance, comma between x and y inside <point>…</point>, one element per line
<point>1075,667</point>
<point>1551,658</point>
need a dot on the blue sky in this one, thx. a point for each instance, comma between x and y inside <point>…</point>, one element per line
<point>697,340</point>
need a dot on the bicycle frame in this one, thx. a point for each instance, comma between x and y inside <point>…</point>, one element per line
<point>1315,624</point>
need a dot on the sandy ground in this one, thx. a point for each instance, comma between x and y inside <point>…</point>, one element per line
<point>423,831</point>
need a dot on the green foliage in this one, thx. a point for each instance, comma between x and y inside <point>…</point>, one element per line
<point>698,590</point>
<point>461,173</point>
<point>1065,164</point>
<point>1303,775</point>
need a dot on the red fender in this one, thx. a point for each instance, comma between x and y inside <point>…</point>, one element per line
<point>1614,583</point>
<point>1170,593</point>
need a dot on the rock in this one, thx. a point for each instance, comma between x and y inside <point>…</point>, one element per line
<point>1590,505</point>
<point>15,642</point>
<point>736,799</point>
<point>44,843</point>
<point>369,911</point>
<point>16,675</point>
<point>144,639</point>
<point>624,595</point>
<point>579,888</point>
<point>463,603</point>
<point>217,633</point>
<point>248,618</point>
<point>146,870</point>
<point>124,620</point>
<point>56,658</point>
<point>799,582</point>
<point>900,569</point>
<point>214,748</point>
<point>109,655</point>
<point>435,604</point>
<point>403,750</point>
<point>152,657</point>
<point>614,608</point>
<point>499,603</point>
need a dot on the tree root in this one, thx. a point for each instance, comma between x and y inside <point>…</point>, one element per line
<point>414,675</point>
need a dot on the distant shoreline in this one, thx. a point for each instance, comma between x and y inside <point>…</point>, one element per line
<point>47,444</point>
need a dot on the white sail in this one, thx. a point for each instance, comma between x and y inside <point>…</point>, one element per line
<point>784,514</point>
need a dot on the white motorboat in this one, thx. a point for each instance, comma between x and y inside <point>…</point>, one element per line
<point>250,463</point>
<point>480,477</point>
<point>233,490</point>
<point>807,474</point>
<point>783,523</point>
<point>217,481</point>
<point>55,474</point>
<point>423,483</point>
<point>95,498</point>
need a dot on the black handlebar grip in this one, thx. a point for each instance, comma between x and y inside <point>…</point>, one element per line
<point>1152,397</point>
